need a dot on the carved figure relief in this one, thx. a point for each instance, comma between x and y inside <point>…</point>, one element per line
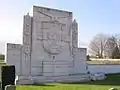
<point>52,34</point>
<point>57,18</point>
<point>51,37</point>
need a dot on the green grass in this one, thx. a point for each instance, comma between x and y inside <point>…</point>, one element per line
<point>113,80</point>
<point>2,63</point>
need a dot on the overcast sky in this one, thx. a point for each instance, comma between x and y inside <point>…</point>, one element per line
<point>93,16</point>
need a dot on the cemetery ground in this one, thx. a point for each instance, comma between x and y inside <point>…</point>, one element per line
<point>112,81</point>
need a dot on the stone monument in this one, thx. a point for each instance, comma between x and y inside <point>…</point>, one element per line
<point>49,49</point>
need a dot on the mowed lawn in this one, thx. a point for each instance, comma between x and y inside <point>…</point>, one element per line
<point>112,81</point>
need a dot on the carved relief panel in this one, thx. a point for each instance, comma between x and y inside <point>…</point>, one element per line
<point>52,37</point>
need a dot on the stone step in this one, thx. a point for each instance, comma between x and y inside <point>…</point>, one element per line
<point>48,79</point>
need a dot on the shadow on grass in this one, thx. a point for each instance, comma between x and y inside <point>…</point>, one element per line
<point>112,79</point>
<point>42,85</point>
<point>117,83</point>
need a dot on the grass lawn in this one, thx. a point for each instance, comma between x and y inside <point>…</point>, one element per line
<point>113,80</point>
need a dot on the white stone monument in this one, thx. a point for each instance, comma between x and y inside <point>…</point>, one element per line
<point>50,48</point>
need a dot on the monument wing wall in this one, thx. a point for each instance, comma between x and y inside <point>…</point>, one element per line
<point>80,61</point>
<point>14,56</point>
<point>81,54</point>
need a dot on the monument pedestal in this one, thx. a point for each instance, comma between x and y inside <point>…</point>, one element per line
<point>55,79</point>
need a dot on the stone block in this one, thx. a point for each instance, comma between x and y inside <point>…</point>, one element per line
<point>10,87</point>
<point>24,82</point>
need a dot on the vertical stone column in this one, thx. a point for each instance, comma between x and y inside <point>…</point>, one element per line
<point>75,34</point>
<point>74,38</point>
<point>27,35</point>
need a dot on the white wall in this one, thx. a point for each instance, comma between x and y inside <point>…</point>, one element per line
<point>14,56</point>
<point>80,61</point>
<point>42,47</point>
<point>104,68</point>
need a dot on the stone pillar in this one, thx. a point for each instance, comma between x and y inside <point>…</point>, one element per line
<point>74,38</point>
<point>75,34</point>
<point>27,35</point>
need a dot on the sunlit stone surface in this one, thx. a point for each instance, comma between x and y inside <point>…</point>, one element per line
<point>49,49</point>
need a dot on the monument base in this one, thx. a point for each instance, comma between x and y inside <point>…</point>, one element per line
<point>53,79</point>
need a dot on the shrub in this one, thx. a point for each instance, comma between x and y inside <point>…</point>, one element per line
<point>88,58</point>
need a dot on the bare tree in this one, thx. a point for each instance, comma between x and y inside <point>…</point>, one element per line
<point>110,46</point>
<point>97,45</point>
<point>118,40</point>
<point>105,46</point>
<point>115,53</point>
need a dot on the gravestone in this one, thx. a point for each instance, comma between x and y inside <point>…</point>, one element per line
<point>10,87</point>
<point>7,76</point>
